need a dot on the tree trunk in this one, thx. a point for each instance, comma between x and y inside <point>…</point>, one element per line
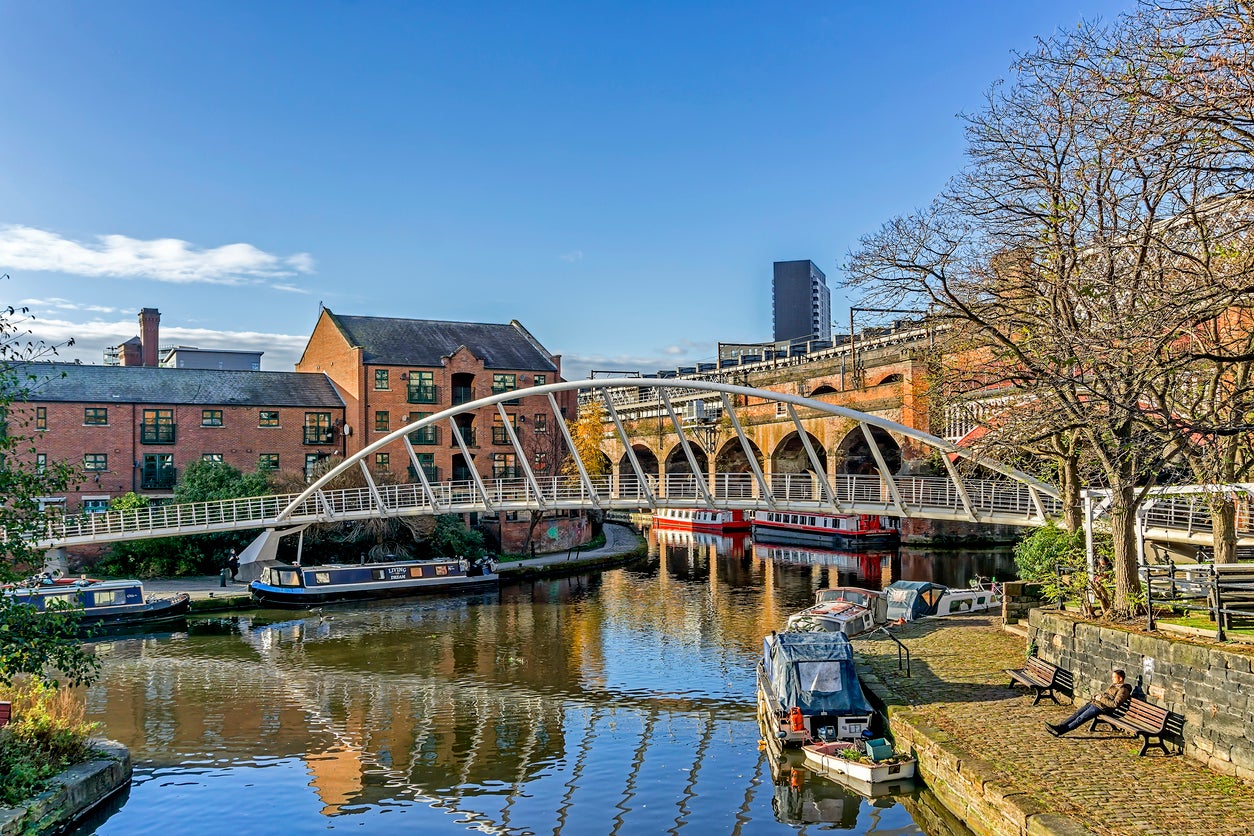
<point>1223,516</point>
<point>1123,532</point>
<point>1069,482</point>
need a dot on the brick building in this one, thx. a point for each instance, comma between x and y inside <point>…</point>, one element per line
<point>133,428</point>
<point>391,372</point>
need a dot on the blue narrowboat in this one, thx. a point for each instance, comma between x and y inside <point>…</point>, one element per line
<point>285,585</point>
<point>105,603</point>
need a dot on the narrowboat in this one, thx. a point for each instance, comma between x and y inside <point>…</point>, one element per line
<point>847,530</point>
<point>808,689</point>
<point>106,604</point>
<point>286,585</point>
<point>700,519</point>
<point>843,609</point>
<point>911,600</point>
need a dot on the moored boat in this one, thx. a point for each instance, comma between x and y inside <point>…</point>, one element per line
<point>808,689</point>
<point>911,600</point>
<point>700,519</point>
<point>848,530</point>
<point>107,604</point>
<point>843,609</point>
<point>286,585</point>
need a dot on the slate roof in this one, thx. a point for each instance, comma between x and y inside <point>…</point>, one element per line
<point>423,342</point>
<point>148,384</point>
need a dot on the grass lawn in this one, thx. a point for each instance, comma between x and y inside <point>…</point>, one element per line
<point>1203,622</point>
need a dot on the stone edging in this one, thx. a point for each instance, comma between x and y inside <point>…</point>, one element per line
<point>568,567</point>
<point>74,792</point>
<point>964,782</point>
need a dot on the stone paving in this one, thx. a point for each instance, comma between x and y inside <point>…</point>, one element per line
<point>957,684</point>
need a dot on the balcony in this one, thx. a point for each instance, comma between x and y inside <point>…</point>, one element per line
<point>468,435</point>
<point>157,433</point>
<point>463,394</point>
<point>500,390</point>
<point>157,479</point>
<point>319,435</point>
<point>426,435</point>
<point>420,393</point>
<point>429,470</point>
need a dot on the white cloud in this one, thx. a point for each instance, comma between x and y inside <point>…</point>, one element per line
<point>24,248</point>
<point>58,304</point>
<point>572,256</point>
<point>576,365</point>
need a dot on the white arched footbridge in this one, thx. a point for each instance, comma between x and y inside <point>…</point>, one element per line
<point>970,490</point>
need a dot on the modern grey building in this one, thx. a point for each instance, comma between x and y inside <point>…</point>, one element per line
<point>802,302</point>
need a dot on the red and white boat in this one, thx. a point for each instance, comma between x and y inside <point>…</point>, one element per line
<point>699,519</point>
<point>831,529</point>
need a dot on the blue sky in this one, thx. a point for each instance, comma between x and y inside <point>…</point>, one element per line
<point>618,177</point>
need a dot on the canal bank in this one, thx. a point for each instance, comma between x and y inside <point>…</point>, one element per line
<point>984,751</point>
<point>622,545</point>
<point>73,794</point>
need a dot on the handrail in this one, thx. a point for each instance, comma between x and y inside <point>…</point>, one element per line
<point>900,647</point>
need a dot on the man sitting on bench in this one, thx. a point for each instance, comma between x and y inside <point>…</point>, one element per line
<point>1110,699</point>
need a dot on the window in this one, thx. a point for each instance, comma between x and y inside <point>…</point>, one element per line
<point>95,461</point>
<point>157,427</point>
<point>541,379</point>
<point>108,597</point>
<point>95,506</point>
<point>541,424</point>
<point>429,434</point>
<point>41,462</point>
<point>383,462</point>
<point>422,387</point>
<point>499,434</point>
<point>96,416</point>
<point>41,417</point>
<point>212,458</point>
<point>268,418</point>
<point>382,421</point>
<point>158,472</point>
<point>504,466</point>
<point>210,417</point>
<point>427,462</point>
<point>311,462</point>
<point>318,428</point>
<point>504,383</point>
<point>268,461</point>
<point>381,379</point>
<point>542,461</point>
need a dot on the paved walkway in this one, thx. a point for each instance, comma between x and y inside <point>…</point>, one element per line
<point>619,540</point>
<point>1096,778</point>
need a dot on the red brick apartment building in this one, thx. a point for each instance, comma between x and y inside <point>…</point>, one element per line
<point>391,372</point>
<point>133,428</point>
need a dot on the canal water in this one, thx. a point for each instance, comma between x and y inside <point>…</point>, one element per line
<point>613,703</point>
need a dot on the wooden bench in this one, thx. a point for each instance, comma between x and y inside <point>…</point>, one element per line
<point>1140,718</point>
<point>6,713</point>
<point>1040,676</point>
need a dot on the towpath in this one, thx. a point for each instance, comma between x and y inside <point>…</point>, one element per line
<point>957,686</point>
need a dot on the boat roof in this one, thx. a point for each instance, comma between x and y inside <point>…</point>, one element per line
<point>811,647</point>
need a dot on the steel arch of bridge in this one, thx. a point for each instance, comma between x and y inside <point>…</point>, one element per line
<point>1015,498</point>
<point>1009,497</point>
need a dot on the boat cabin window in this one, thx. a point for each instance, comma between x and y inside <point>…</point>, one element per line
<point>285,577</point>
<point>415,571</point>
<point>378,574</point>
<point>108,597</point>
<point>63,599</point>
<point>819,676</point>
<point>322,577</point>
<point>441,570</point>
<point>931,596</point>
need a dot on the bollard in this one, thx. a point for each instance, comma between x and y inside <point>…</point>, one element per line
<point>222,578</point>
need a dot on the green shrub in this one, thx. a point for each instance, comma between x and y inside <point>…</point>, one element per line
<point>47,735</point>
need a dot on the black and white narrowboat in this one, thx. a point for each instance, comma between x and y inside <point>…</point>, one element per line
<point>284,585</point>
<point>106,604</point>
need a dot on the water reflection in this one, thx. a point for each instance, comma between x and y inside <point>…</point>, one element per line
<point>612,703</point>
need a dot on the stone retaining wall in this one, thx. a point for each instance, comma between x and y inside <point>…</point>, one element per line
<point>1211,686</point>
<point>73,793</point>
<point>1019,598</point>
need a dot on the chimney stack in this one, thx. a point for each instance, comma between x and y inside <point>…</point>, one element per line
<point>149,326</point>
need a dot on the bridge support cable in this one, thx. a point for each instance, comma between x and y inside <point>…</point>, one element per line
<point>701,478</point>
<point>422,475</point>
<point>961,488</point>
<point>631,453</point>
<point>374,489</point>
<point>748,450</point>
<point>885,476</point>
<point>820,472</point>
<point>470,464</point>
<point>574,454</point>
<point>522,456</point>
